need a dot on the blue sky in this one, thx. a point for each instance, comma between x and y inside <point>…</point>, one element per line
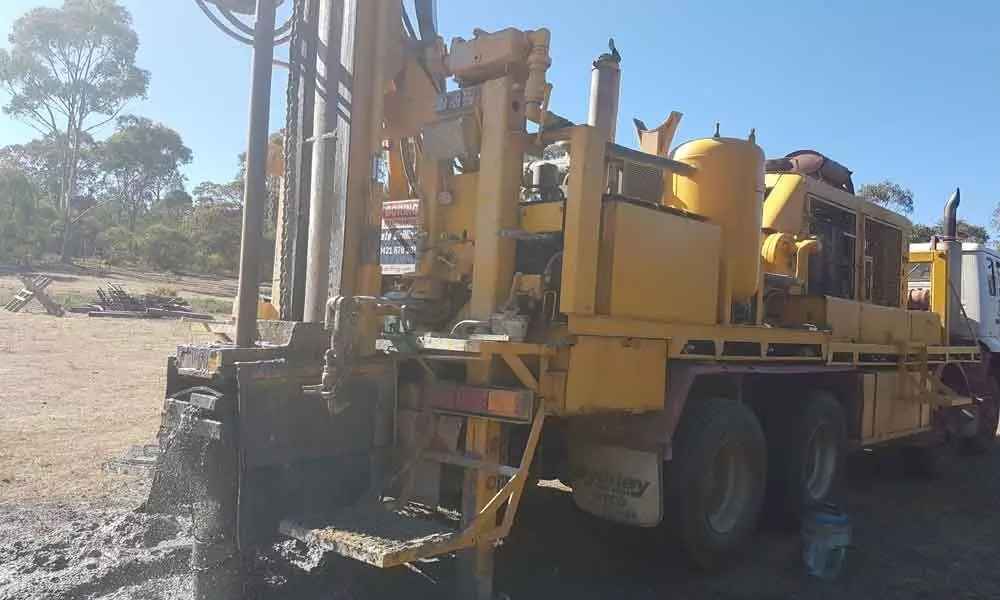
<point>907,90</point>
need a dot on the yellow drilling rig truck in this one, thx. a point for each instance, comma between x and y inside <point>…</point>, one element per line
<point>476,293</point>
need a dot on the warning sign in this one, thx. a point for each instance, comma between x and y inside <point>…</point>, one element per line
<point>400,223</point>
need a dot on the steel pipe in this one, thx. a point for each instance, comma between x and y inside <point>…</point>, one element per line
<point>951,214</point>
<point>302,168</point>
<point>255,188</point>
<point>959,331</point>
<point>322,195</point>
<point>614,150</point>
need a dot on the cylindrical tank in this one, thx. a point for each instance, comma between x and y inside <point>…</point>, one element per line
<point>728,189</point>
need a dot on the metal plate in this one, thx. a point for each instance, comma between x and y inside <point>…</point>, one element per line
<point>297,455</point>
<point>454,137</point>
<point>279,424</point>
<point>454,101</point>
<point>373,533</point>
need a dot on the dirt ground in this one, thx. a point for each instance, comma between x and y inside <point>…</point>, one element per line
<point>77,391</point>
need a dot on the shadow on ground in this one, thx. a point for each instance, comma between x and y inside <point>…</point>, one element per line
<point>914,538</point>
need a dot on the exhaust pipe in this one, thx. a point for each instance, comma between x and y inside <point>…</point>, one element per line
<point>951,215</point>
<point>605,87</point>
<point>957,327</point>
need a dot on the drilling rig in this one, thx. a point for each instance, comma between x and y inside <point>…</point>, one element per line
<point>477,293</point>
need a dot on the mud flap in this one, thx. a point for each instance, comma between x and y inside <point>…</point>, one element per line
<point>618,484</point>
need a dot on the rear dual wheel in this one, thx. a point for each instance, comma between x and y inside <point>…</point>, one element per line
<point>723,464</point>
<point>806,449</point>
<point>714,485</point>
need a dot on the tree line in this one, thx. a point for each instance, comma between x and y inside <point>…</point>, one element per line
<point>894,196</point>
<point>70,73</point>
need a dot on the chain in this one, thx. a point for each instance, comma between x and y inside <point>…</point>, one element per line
<point>290,200</point>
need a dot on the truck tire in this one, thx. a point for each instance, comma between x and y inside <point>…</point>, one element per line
<point>714,483</point>
<point>806,450</point>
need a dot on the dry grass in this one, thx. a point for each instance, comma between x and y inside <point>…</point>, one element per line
<point>77,286</point>
<point>73,392</point>
<point>76,391</point>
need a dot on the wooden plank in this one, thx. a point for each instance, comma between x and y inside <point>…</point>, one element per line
<point>180,314</point>
<point>34,289</point>
<point>123,314</point>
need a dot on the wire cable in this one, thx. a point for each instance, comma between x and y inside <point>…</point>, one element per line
<point>234,27</point>
<point>235,22</point>
<point>221,25</point>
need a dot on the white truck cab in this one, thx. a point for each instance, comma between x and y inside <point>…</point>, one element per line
<point>980,296</point>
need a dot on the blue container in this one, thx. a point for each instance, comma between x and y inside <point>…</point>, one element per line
<point>826,533</point>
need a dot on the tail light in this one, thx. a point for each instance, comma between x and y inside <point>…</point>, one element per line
<point>509,404</point>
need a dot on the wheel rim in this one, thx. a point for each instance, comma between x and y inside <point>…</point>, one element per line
<point>821,462</point>
<point>729,488</point>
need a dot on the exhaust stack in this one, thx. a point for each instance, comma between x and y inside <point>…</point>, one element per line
<point>951,215</point>
<point>957,327</point>
<point>605,87</point>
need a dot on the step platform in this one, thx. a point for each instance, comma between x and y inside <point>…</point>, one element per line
<point>374,533</point>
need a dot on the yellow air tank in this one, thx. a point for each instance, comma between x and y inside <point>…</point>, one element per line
<point>728,189</point>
